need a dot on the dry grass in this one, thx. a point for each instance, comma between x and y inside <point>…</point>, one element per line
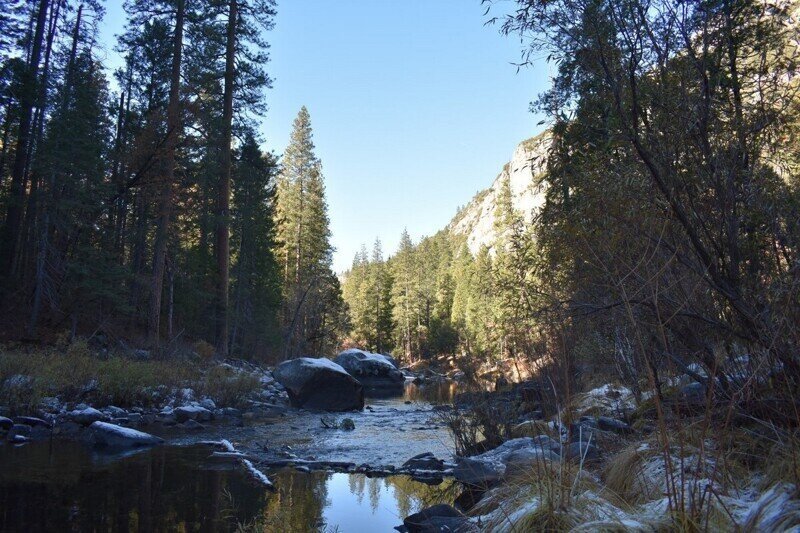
<point>75,374</point>
<point>228,387</point>
<point>624,477</point>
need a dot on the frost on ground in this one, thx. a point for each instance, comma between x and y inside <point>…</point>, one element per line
<point>643,487</point>
<point>610,399</point>
<point>592,509</point>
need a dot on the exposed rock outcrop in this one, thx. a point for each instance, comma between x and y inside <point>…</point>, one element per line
<point>525,171</point>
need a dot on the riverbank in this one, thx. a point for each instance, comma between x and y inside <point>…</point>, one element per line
<point>493,461</point>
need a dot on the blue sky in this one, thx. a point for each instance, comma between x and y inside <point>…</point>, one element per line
<point>415,106</point>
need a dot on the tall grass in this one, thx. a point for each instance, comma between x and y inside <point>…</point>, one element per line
<point>75,374</point>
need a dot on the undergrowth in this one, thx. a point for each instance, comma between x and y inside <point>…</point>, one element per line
<point>76,374</point>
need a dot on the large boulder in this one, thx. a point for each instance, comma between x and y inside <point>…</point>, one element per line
<point>86,416</point>
<point>320,384</point>
<point>114,436</point>
<point>192,412</point>
<point>510,457</point>
<point>438,518</point>
<point>375,371</point>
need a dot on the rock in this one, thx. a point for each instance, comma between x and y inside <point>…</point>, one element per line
<point>32,421</point>
<point>348,424</point>
<point>207,403</point>
<point>437,518</point>
<point>135,419</point>
<point>192,412</point>
<point>193,425</point>
<point>374,371</point>
<point>424,461</point>
<point>476,472</point>
<point>106,434</point>
<point>113,410</point>
<point>546,442</point>
<point>50,404</point>
<point>18,382</point>
<point>86,416</point>
<point>692,395</point>
<point>19,429</point>
<point>527,459</point>
<point>89,387</point>
<point>320,384</point>
<point>606,423</point>
<point>18,439</point>
<point>68,429</point>
<point>6,423</point>
<point>490,467</point>
<point>166,417</point>
<point>579,450</point>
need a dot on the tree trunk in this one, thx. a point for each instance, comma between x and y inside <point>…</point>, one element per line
<point>165,199</point>
<point>44,230</point>
<point>33,210</point>
<point>16,201</point>
<point>224,192</point>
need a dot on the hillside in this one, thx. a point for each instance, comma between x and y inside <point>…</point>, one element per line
<point>525,171</point>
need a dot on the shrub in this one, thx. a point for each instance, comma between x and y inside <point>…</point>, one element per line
<point>227,387</point>
<point>205,350</point>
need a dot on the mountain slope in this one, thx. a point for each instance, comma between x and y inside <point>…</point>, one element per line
<point>525,171</point>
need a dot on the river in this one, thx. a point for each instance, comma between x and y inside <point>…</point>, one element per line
<point>68,486</point>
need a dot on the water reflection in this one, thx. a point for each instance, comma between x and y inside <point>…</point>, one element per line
<point>434,393</point>
<point>63,487</point>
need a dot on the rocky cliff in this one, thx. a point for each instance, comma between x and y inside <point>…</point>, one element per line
<point>525,171</point>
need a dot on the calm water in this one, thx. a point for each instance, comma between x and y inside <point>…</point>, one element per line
<point>66,487</point>
<point>69,487</point>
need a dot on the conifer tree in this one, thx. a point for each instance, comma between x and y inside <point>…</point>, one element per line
<point>313,306</point>
<point>404,290</point>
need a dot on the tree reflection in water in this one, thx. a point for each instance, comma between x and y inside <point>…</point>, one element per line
<point>63,486</point>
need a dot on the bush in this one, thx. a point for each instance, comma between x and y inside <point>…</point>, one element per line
<point>227,387</point>
<point>204,350</point>
<point>75,374</point>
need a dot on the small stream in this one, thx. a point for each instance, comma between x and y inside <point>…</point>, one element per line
<point>68,486</point>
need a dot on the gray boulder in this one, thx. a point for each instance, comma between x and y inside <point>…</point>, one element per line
<point>424,461</point>
<point>581,450</point>
<point>606,423</point>
<point>86,416</point>
<point>320,384</point>
<point>490,467</point>
<point>6,423</point>
<point>375,371</point>
<point>32,421</point>
<point>105,434</point>
<point>437,518</point>
<point>528,459</point>
<point>192,412</point>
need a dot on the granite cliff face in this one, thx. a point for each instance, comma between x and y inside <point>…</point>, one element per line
<point>525,171</point>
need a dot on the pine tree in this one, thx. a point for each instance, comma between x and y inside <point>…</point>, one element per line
<point>313,305</point>
<point>404,290</point>
<point>256,293</point>
<point>380,277</point>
